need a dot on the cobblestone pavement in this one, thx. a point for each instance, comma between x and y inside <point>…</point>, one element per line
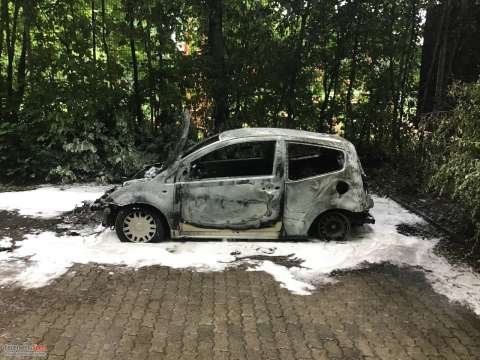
<point>107,312</point>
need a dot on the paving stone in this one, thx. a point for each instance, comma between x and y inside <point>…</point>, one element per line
<point>160,313</point>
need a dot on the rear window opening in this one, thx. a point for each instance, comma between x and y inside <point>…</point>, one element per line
<point>306,161</point>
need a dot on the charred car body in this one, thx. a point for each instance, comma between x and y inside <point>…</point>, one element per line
<point>255,183</point>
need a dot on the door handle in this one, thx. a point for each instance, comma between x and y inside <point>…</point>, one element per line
<point>270,188</point>
<point>270,191</point>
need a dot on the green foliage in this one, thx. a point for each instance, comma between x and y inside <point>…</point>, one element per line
<point>95,85</point>
<point>455,151</point>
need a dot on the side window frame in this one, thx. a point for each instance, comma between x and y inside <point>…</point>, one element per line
<point>223,144</point>
<point>287,160</point>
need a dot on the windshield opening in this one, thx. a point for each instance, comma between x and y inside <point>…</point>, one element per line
<point>201,144</point>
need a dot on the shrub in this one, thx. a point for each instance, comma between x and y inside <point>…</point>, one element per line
<point>454,151</point>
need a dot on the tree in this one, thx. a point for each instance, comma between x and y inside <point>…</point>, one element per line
<point>28,9</point>
<point>137,100</point>
<point>450,51</point>
<point>217,69</point>
<point>97,81</point>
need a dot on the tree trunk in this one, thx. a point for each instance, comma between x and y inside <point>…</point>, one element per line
<point>450,52</point>
<point>11,41</point>
<point>136,87</point>
<point>27,14</point>
<point>351,85</point>
<point>433,35</point>
<point>394,95</point>
<point>290,93</point>
<point>3,24</point>
<point>330,82</point>
<point>104,39</point>
<point>409,56</point>
<point>217,71</point>
<point>94,36</point>
<point>440,83</point>
<point>151,75</point>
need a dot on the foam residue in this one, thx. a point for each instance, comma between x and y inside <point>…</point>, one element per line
<point>49,256</point>
<point>49,201</point>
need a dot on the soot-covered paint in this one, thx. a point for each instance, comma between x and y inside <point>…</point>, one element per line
<point>257,202</point>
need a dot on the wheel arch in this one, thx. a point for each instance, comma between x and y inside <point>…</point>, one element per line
<point>348,214</point>
<point>117,208</point>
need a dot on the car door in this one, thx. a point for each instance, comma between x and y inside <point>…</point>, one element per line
<point>233,186</point>
<point>310,184</point>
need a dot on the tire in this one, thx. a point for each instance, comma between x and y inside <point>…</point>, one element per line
<point>139,224</point>
<point>333,226</point>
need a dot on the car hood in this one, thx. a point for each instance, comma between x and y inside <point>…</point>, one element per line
<point>175,154</point>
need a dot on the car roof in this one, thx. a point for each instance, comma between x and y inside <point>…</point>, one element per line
<point>299,135</point>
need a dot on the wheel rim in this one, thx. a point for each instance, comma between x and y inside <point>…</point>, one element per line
<point>333,227</point>
<point>139,226</point>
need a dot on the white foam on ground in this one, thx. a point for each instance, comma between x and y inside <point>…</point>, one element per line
<point>49,201</point>
<point>50,256</point>
<point>286,278</point>
<point>6,242</point>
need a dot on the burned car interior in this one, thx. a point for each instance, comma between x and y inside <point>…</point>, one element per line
<point>306,161</point>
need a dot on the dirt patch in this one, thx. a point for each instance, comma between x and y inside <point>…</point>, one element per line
<point>425,231</point>
<point>15,227</point>
<point>11,187</point>
<point>445,214</point>
<point>459,253</point>
<point>287,261</point>
<point>81,218</point>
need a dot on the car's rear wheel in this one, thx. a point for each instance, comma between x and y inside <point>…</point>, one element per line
<point>333,226</point>
<point>139,224</point>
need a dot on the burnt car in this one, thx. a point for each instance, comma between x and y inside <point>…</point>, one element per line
<point>250,183</point>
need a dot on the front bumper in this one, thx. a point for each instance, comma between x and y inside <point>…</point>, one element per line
<point>108,218</point>
<point>108,210</point>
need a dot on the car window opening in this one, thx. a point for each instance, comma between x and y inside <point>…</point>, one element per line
<point>237,160</point>
<point>309,160</point>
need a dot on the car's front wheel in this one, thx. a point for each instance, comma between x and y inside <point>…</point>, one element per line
<point>333,226</point>
<point>139,224</point>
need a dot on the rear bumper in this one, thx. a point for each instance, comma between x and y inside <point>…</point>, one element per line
<point>362,218</point>
<point>368,219</point>
<point>369,202</point>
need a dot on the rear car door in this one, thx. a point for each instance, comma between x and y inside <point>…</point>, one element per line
<point>233,186</point>
<point>312,171</point>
